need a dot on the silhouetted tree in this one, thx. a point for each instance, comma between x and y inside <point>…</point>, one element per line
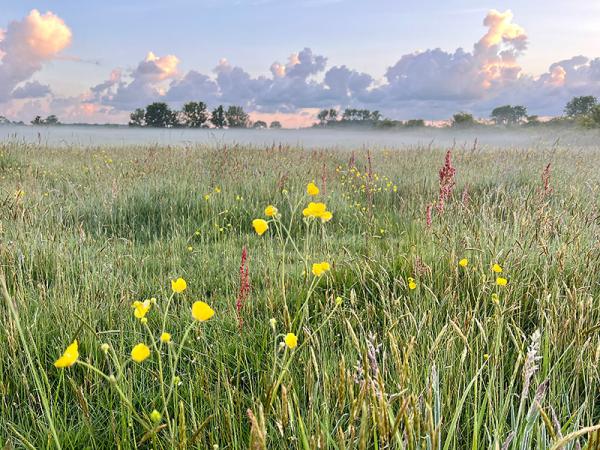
<point>194,114</point>
<point>259,124</point>
<point>137,118</point>
<point>236,117</point>
<point>592,119</point>
<point>159,115</point>
<point>414,123</point>
<point>580,106</point>
<point>217,117</point>
<point>509,115</point>
<point>322,116</point>
<point>276,124</point>
<point>37,120</point>
<point>51,120</point>
<point>463,120</point>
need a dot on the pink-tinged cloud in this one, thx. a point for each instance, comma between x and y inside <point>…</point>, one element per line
<point>155,68</point>
<point>27,44</point>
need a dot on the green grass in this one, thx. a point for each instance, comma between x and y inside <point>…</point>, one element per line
<point>438,367</point>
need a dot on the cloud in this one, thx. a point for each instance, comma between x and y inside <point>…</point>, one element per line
<point>31,89</point>
<point>432,84</point>
<point>26,45</point>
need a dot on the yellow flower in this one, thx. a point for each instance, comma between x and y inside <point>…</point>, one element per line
<point>312,189</point>
<point>179,285</point>
<point>326,216</point>
<point>319,269</point>
<point>140,309</point>
<point>496,268</point>
<point>495,299</point>
<point>69,357</point>
<point>411,283</point>
<point>291,340</point>
<point>317,210</point>
<point>260,226</point>
<point>201,311</point>
<point>501,281</point>
<point>165,337</point>
<point>463,262</point>
<point>270,211</point>
<point>218,190</point>
<point>140,352</point>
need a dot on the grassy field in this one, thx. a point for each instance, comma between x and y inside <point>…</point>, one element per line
<point>400,344</point>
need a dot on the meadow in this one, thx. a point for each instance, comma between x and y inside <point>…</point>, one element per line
<point>426,299</point>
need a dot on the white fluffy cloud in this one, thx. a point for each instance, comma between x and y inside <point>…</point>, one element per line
<point>431,84</point>
<point>26,45</point>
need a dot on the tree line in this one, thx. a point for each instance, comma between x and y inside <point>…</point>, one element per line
<point>583,110</point>
<point>194,115</point>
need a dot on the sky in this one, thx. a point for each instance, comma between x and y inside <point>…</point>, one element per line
<point>285,59</point>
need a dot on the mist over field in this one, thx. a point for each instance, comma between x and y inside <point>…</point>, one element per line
<point>347,138</point>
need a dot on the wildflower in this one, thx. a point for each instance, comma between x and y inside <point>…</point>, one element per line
<point>165,337</point>
<point>339,301</point>
<point>190,248</point>
<point>201,311</point>
<point>155,416</point>
<point>144,320</point>
<point>326,216</point>
<point>140,352</point>
<point>463,262</point>
<point>312,189</point>
<point>218,190</point>
<point>270,211</point>
<point>105,347</point>
<point>411,283</point>
<point>179,285</point>
<point>260,226</point>
<point>317,210</point>
<point>69,357</point>
<point>207,197</point>
<point>291,340</point>
<point>496,268</point>
<point>495,299</point>
<point>140,309</point>
<point>501,281</point>
<point>319,269</point>
<point>273,323</point>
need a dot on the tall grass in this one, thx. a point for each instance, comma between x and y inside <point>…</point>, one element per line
<point>85,232</point>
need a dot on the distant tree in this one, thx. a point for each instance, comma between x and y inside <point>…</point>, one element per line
<point>463,120</point>
<point>592,119</point>
<point>332,115</point>
<point>137,118</point>
<point>276,124</point>
<point>217,117</point>
<point>159,115</point>
<point>37,121</point>
<point>259,124</point>
<point>414,123</point>
<point>322,116</point>
<point>194,114</point>
<point>375,116</point>
<point>509,115</point>
<point>51,120</point>
<point>580,106</point>
<point>4,120</point>
<point>533,120</point>
<point>236,117</point>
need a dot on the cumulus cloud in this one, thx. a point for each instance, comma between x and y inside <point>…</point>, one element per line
<point>31,89</point>
<point>26,45</point>
<point>432,83</point>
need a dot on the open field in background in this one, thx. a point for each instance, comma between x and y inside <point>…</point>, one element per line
<point>456,362</point>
